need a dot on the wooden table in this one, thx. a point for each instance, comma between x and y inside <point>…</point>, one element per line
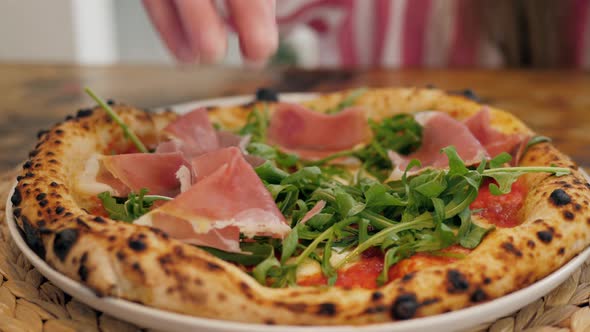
<point>33,97</point>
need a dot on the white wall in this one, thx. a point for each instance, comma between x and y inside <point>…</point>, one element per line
<point>33,30</point>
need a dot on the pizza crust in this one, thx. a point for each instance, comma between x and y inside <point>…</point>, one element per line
<point>142,264</point>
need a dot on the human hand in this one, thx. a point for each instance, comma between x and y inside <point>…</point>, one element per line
<point>194,31</point>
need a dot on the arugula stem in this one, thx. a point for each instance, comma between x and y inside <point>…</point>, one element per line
<point>311,248</point>
<point>345,153</point>
<point>153,198</point>
<point>128,133</point>
<point>376,219</point>
<point>422,221</point>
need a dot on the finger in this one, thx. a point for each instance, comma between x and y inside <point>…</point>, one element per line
<point>256,26</point>
<point>167,21</point>
<point>204,28</point>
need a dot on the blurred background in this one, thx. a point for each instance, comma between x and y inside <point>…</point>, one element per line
<point>108,31</point>
<point>511,33</point>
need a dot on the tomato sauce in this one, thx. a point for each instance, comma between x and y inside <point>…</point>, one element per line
<point>365,272</point>
<point>502,210</point>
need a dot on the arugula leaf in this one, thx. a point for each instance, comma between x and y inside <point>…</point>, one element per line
<point>254,253</point>
<point>290,244</point>
<point>270,174</point>
<point>348,101</point>
<point>535,140</point>
<point>347,205</point>
<point>256,125</point>
<point>115,209</point>
<point>126,130</point>
<point>268,152</point>
<point>135,206</point>
<point>499,160</point>
<point>261,271</point>
<point>470,234</point>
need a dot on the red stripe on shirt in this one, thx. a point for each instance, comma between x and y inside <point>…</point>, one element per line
<point>346,40</point>
<point>382,19</point>
<point>414,32</point>
<point>465,39</point>
<point>580,20</point>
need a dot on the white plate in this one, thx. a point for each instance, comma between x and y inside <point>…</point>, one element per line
<point>168,321</point>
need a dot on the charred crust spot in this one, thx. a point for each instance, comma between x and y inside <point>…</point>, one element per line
<point>214,267</point>
<point>41,133</point>
<point>561,251</point>
<point>487,280</point>
<point>478,296</point>
<point>509,247</point>
<point>577,207</point>
<point>327,309</point>
<point>545,236</point>
<point>376,309</point>
<point>135,266</point>
<point>404,306</point>
<point>221,297</point>
<point>83,269</point>
<point>456,282</point>
<point>64,241</point>
<point>110,102</point>
<point>137,244</point>
<point>269,321</point>
<point>99,220</point>
<point>376,296</point>
<point>430,301</point>
<point>59,209</point>
<point>33,238</point>
<point>27,164</point>
<point>58,142</point>
<point>69,117</point>
<point>531,244</point>
<point>16,197</point>
<point>408,276</point>
<point>266,94</point>
<point>112,238</point>
<point>568,215</point>
<point>54,184</point>
<point>29,175</point>
<point>41,196</point>
<point>294,307</point>
<point>43,203</point>
<point>470,94</point>
<point>121,255</point>
<point>68,214</point>
<point>84,113</point>
<point>59,131</point>
<point>82,223</point>
<point>559,197</point>
<point>246,290</point>
<point>33,153</point>
<point>16,212</point>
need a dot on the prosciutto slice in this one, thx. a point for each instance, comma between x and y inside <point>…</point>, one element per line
<point>439,131</point>
<point>192,134</point>
<point>296,128</point>
<point>134,171</point>
<point>226,194</point>
<point>493,140</point>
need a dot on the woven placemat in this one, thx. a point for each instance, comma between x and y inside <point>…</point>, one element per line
<point>28,302</point>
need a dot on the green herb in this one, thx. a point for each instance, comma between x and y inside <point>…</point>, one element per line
<point>535,140</point>
<point>400,133</point>
<point>126,130</point>
<point>348,101</point>
<point>253,253</point>
<point>256,125</point>
<point>127,210</point>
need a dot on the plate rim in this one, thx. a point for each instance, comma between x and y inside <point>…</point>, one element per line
<point>460,319</point>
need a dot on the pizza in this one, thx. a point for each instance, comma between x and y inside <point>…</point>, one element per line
<point>356,207</point>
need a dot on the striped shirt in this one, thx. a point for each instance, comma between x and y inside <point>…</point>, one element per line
<point>410,33</point>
